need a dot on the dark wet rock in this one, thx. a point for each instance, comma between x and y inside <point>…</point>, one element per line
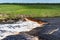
<point>48,32</point>
<point>21,36</point>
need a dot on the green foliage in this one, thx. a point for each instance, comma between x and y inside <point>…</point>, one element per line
<point>34,10</point>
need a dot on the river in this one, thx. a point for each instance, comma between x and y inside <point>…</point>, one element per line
<point>50,31</point>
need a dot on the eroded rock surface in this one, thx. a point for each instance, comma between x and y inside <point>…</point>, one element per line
<point>48,32</point>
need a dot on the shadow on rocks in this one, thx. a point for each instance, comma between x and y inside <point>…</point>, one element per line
<point>21,36</point>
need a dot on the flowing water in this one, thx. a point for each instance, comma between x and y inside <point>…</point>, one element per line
<point>15,28</point>
<point>52,30</point>
<point>49,32</point>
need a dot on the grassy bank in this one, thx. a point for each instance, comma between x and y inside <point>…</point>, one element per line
<point>34,10</point>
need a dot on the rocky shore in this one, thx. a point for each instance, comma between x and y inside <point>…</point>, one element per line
<point>49,32</point>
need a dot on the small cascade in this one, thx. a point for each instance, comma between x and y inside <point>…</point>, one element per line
<point>16,28</point>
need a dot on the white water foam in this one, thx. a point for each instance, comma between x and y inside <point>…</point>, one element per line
<point>12,29</point>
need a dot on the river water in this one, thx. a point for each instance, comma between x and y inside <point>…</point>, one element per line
<point>52,30</point>
<point>48,32</point>
<point>16,28</point>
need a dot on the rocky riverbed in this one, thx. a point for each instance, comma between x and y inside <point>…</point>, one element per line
<point>50,31</point>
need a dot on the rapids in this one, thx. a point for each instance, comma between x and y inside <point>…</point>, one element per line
<point>16,28</point>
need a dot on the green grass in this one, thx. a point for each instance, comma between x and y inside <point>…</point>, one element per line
<point>34,10</point>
